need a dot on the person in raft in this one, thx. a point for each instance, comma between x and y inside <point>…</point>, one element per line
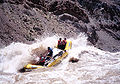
<point>64,42</point>
<point>50,53</point>
<point>60,43</point>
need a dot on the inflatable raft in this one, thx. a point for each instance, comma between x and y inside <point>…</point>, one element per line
<point>58,56</point>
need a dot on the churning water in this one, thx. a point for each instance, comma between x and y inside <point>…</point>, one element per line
<point>94,66</point>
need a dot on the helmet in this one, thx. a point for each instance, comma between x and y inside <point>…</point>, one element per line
<point>60,38</point>
<point>64,38</point>
<point>48,48</point>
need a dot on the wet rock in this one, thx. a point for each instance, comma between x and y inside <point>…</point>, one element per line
<point>73,60</point>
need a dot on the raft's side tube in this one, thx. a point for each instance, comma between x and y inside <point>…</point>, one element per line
<point>58,60</point>
<point>68,45</point>
<point>30,66</point>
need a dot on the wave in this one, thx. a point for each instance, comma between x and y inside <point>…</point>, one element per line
<point>94,65</point>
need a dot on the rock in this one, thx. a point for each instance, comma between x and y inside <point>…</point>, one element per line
<point>25,20</point>
<point>59,7</point>
<point>36,29</point>
<point>69,17</point>
<point>92,35</point>
<point>65,6</point>
<point>1,1</point>
<point>73,60</point>
<point>16,1</point>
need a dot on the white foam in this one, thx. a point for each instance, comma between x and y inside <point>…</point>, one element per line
<point>94,66</point>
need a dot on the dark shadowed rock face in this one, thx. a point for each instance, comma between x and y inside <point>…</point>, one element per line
<point>59,7</point>
<point>25,20</point>
<point>65,6</point>
<point>107,16</point>
<point>1,1</point>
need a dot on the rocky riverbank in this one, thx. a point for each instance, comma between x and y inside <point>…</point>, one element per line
<point>26,20</point>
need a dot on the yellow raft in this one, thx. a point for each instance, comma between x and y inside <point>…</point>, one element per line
<point>58,57</point>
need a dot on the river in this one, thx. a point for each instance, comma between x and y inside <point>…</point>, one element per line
<point>94,66</point>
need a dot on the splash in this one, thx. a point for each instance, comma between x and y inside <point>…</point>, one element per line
<point>16,55</point>
<point>13,56</point>
<point>94,65</point>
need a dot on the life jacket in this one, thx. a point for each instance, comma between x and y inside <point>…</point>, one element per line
<point>64,42</point>
<point>50,52</point>
<point>50,49</point>
<point>59,42</point>
<point>42,59</point>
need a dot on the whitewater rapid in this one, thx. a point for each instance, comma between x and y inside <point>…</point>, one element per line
<point>94,66</point>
